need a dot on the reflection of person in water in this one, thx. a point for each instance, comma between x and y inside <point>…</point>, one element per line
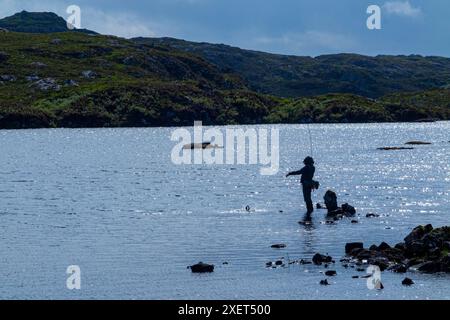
<point>307,181</point>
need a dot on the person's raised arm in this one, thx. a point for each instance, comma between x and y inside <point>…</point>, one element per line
<point>295,173</point>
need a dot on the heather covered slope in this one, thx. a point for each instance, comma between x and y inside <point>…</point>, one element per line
<point>294,76</point>
<point>76,79</point>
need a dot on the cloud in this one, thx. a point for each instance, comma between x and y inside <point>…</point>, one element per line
<point>118,24</point>
<point>309,41</point>
<point>402,8</point>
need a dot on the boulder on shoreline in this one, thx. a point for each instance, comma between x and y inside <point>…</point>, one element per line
<point>425,249</point>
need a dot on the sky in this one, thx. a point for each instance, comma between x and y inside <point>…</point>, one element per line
<point>294,27</point>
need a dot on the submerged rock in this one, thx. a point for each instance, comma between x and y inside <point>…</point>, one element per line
<point>202,268</point>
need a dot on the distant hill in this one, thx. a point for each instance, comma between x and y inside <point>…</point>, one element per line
<point>294,76</point>
<point>73,79</point>
<point>37,22</point>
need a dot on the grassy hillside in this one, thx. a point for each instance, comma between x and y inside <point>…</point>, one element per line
<point>293,76</point>
<point>73,79</point>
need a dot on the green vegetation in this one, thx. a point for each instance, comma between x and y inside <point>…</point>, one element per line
<point>76,79</point>
<point>296,76</point>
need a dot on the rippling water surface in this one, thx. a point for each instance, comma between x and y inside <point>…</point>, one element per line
<point>112,202</point>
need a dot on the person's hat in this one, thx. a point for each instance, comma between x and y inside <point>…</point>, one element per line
<point>308,160</point>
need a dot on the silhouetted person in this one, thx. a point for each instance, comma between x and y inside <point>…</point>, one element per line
<point>307,181</point>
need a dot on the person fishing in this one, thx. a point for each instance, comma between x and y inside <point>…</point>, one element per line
<point>307,181</point>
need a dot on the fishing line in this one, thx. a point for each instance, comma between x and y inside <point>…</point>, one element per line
<point>310,139</point>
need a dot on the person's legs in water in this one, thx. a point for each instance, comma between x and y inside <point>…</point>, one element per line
<point>307,197</point>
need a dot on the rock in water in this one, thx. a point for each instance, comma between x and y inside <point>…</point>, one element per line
<point>278,246</point>
<point>417,143</point>
<point>407,282</point>
<point>324,282</point>
<point>348,209</point>
<point>318,259</point>
<point>384,246</point>
<point>331,273</point>
<point>202,268</point>
<point>330,199</point>
<point>349,247</point>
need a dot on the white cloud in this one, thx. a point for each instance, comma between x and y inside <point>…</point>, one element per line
<point>309,41</point>
<point>122,24</point>
<point>402,8</point>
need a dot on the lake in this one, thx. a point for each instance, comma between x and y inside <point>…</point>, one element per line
<point>112,202</point>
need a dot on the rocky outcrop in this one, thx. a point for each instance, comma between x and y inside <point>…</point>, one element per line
<point>7,78</point>
<point>47,84</point>
<point>89,74</point>
<point>425,249</point>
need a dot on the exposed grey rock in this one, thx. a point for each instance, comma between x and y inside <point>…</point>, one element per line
<point>7,78</point>
<point>71,83</point>
<point>38,64</point>
<point>89,74</point>
<point>47,84</point>
<point>32,78</point>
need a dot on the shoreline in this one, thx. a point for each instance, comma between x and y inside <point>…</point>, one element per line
<point>223,125</point>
